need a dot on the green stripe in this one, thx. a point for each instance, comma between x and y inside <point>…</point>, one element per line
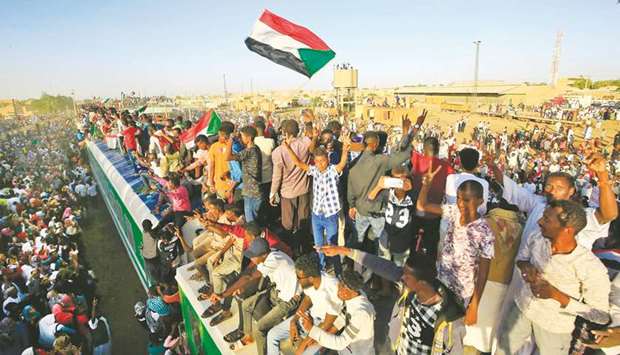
<point>314,60</point>
<point>215,122</point>
<point>198,338</point>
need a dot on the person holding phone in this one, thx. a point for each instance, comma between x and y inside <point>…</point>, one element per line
<point>396,239</point>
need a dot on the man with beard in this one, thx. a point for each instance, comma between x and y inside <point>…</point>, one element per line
<point>561,186</point>
<point>563,279</point>
<point>558,186</point>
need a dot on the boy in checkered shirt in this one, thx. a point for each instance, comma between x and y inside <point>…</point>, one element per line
<point>325,197</point>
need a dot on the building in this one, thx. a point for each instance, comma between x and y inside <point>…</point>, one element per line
<point>15,108</point>
<point>486,93</point>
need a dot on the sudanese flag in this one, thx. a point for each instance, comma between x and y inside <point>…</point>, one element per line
<point>288,44</point>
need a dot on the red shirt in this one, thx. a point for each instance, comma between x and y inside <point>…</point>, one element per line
<point>129,137</point>
<point>273,240</point>
<point>419,167</point>
<point>65,317</point>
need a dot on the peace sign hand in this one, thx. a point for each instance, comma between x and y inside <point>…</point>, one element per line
<point>430,174</point>
<point>346,142</point>
<point>406,123</point>
<point>421,118</point>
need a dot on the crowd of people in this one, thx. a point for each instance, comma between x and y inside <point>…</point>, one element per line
<point>49,294</point>
<point>486,242</point>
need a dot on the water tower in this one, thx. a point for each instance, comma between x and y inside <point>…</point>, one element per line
<point>345,84</point>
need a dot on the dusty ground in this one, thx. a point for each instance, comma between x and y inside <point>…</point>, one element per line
<point>497,124</point>
<point>118,284</point>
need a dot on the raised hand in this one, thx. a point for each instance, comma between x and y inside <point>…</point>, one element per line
<point>597,164</point>
<point>346,142</point>
<point>406,123</point>
<point>316,132</point>
<point>420,120</point>
<point>430,174</point>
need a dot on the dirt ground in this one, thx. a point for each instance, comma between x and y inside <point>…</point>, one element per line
<point>497,124</point>
<point>117,282</point>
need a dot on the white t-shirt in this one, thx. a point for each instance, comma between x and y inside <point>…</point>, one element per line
<point>92,190</point>
<point>325,299</point>
<point>12,203</point>
<point>280,269</point>
<point>81,190</point>
<point>453,181</point>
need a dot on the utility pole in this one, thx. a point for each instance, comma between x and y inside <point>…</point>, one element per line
<point>75,111</point>
<point>225,91</point>
<point>555,62</point>
<point>477,43</point>
<point>15,108</point>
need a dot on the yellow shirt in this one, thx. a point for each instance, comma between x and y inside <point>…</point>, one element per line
<point>218,153</point>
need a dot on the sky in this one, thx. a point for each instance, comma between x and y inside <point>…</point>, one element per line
<point>100,48</point>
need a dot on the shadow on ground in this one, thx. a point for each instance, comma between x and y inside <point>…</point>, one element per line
<point>117,283</point>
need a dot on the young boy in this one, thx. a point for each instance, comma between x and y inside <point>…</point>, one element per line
<point>397,237</point>
<point>325,196</point>
<point>250,159</point>
<point>149,251</point>
<point>468,245</point>
<point>201,157</point>
<point>169,248</point>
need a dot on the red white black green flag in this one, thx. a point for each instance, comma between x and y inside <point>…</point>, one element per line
<point>288,44</point>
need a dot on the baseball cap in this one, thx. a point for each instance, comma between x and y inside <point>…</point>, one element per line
<point>258,247</point>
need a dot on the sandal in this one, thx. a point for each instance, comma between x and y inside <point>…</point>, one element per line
<point>212,310</point>
<point>220,318</point>
<point>207,288</point>
<point>234,336</point>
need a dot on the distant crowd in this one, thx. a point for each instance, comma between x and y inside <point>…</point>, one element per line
<point>48,293</point>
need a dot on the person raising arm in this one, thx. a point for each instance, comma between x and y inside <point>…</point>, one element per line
<point>465,261</point>
<point>303,166</point>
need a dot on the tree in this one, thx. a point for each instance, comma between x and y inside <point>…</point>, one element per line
<point>47,104</point>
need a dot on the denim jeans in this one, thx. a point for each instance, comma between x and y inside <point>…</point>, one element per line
<point>282,331</point>
<point>362,223</point>
<point>251,205</point>
<point>325,231</point>
<point>132,159</point>
<point>384,252</point>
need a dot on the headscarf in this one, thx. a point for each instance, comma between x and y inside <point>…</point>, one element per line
<point>157,305</point>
